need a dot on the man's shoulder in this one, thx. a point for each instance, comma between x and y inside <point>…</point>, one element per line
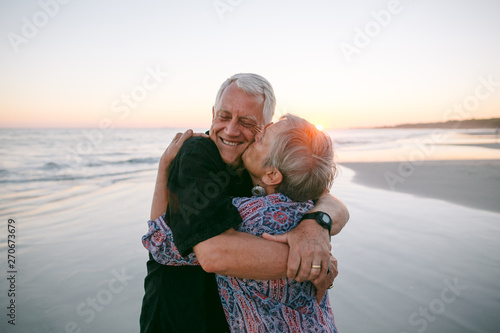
<point>199,151</point>
<point>198,145</point>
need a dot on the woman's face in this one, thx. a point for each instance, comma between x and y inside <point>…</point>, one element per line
<point>257,152</point>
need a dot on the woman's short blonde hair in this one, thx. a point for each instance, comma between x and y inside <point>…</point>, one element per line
<point>304,156</point>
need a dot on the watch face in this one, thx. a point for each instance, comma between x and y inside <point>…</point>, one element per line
<point>325,218</point>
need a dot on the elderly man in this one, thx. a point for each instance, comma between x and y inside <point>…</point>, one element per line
<point>202,179</point>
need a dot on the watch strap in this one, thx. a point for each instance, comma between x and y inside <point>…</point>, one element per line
<point>318,217</point>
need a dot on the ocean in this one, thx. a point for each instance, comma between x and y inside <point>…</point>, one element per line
<point>34,159</point>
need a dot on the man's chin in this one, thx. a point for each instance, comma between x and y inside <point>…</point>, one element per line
<point>235,163</point>
<point>232,155</point>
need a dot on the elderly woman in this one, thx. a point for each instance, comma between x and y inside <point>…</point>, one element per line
<point>291,164</point>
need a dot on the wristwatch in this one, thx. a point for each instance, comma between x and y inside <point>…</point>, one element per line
<point>322,218</point>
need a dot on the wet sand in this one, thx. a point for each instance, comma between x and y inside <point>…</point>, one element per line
<point>472,183</point>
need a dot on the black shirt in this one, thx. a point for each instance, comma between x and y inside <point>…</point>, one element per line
<point>200,191</point>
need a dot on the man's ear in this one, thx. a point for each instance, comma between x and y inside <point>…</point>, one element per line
<point>272,177</point>
<point>213,112</point>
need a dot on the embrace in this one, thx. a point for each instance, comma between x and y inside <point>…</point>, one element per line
<point>241,219</point>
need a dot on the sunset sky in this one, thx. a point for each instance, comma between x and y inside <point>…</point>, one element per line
<point>338,63</point>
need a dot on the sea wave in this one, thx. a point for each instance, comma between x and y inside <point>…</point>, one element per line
<point>53,166</point>
<point>147,160</point>
<point>63,178</point>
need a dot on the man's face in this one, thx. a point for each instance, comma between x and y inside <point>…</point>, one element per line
<point>236,120</point>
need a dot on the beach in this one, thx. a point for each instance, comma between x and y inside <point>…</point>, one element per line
<point>399,255</point>
<point>419,252</point>
<point>471,183</point>
<point>418,257</point>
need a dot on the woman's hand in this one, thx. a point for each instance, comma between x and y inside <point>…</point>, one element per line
<point>169,154</point>
<point>160,196</point>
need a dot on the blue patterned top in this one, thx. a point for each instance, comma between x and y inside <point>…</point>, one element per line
<point>279,305</point>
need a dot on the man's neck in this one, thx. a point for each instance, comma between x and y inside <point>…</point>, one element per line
<point>239,168</point>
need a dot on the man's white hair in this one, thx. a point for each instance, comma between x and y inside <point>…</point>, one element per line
<point>252,84</point>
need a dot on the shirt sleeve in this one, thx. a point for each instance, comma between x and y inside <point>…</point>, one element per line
<point>200,205</point>
<point>160,243</point>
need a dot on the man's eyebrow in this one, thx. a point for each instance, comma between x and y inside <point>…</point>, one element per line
<point>250,118</point>
<point>222,111</point>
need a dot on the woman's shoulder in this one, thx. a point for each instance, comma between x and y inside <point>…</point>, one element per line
<point>274,202</point>
<point>273,213</point>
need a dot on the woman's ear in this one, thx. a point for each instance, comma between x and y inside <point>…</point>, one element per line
<point>272,177</point>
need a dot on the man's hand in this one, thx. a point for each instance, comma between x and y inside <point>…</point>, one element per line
<point>322,284</point>
<point>309,246</point>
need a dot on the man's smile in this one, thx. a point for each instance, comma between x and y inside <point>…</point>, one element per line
<point>229,143</point>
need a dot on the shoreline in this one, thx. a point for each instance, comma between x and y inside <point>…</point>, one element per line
<point>471,183</point>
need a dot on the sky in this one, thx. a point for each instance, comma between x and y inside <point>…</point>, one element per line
<point>337,63</point>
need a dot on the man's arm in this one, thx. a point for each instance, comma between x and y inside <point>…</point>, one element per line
<point>310,243</point>
<point>247,256</point>
<point>336,209</point>
<point>243,255</point>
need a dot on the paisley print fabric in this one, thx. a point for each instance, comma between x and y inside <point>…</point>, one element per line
<point>257,305</point>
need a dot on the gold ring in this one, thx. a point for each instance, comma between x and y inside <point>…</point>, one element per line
<point>330,286</point>
<point>317,267</point>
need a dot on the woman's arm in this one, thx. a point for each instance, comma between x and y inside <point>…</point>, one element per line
<point>160,195</point>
